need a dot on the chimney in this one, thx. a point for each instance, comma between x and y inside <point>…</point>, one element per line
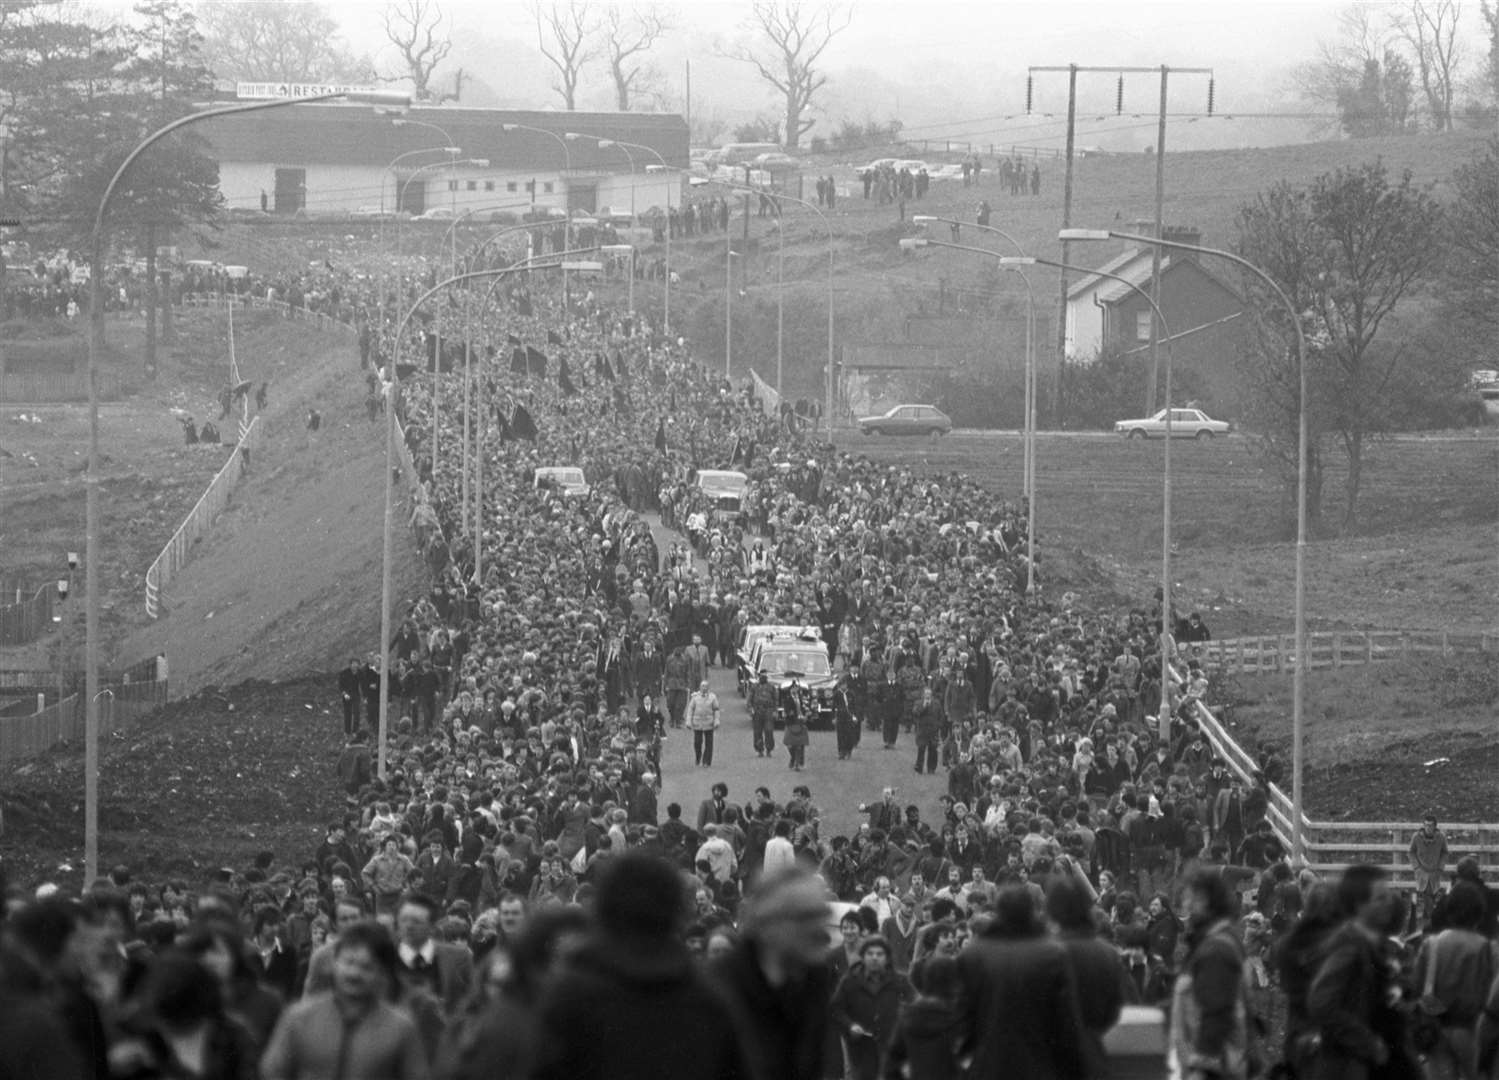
<point>1183,234</point>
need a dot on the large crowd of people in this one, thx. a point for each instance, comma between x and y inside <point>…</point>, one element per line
<point>511,899</point>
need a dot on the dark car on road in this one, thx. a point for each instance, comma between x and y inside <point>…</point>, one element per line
<point>908,420</point>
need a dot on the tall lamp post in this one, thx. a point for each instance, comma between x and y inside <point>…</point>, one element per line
<point>1167,638</point>
<point>567,160</point>
<point>666,312</point>
<point>1030,378</point>
<point>1028,483</point>
<point>832,370</point>
<point>392,397</point>
<point>1298,673</point>
<point>91,481</point>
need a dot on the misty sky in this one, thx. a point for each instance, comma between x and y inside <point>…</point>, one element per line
<point>948,70</point>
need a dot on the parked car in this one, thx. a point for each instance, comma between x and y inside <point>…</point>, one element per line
<point>908,420</point>
<point>436,213</point>
<point>568,478</point>
<point>776,161</point>
<point>947,172</point>
<point>1185,424</point>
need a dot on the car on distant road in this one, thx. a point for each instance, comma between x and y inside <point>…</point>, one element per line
<point>1185,424</point>
<point>436,213</point>
<point>907,420</point>
<point>568,479</point>
<point>776,161</point>
<point>947,172</point>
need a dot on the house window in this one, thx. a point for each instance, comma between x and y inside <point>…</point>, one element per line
<point>547,187</point>
<point>473,185</point>
<point>1142,325</point>
<point>512,185</point>
<point>489,185</point>
<point>452,185</point>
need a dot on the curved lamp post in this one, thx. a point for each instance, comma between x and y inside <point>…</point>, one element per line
<point>750,188</point>
<point>91,481</point>
<point>1298,673</point>
<point>392,396</point>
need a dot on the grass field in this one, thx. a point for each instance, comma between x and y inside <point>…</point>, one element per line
<point>1424,557</point>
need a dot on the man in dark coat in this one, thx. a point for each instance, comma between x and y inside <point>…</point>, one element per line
<point>866,1006</point>
<point>1018,1011</point>
<point>777,977</point>
<point>633,1005</point>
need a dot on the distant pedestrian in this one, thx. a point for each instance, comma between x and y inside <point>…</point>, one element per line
<point>703,718</point>
<point>1428,853</point>
<point>983,213</point>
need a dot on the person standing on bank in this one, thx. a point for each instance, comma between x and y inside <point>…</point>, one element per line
<point>703,718</point>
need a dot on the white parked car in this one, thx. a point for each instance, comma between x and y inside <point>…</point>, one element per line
<point>1185,424</point>
<point>776,161</point>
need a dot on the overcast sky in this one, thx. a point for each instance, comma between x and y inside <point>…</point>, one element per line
<point>954,69</point>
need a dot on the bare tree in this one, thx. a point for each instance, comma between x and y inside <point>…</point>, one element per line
<point>1429,27</point>
<point>788,51</point>
<point>295,42</point>
<point>627,37</point>
<point>1342,61</point>
<point>415,28</point>
<point>565,36</point>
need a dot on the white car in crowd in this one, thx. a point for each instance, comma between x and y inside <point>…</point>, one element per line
<point>569,479</point>
<point>1185,424</point>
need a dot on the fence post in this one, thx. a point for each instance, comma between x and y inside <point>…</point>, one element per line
<point>1337,649</point>
<point>1446,643</point>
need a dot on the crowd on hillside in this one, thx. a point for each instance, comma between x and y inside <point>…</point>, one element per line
<point>512,899</point>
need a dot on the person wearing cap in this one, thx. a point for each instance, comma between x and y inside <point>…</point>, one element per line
<point>866,1006</point>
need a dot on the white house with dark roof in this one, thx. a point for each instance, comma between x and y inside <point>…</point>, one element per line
<point>338,157</point>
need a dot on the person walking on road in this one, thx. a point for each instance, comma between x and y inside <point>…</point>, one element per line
<point>703,718</point>
<point>928,719</point>
<point>678,683</point>
<point>762,702</point>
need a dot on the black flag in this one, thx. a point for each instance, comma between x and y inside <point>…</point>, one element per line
<point>536,362</point>
<point>601,365</point>
<point>518,361</point>
<point>619,363</point>
<point>661,435</point>
<point>621,399</point>
<point>564,378</point>
<point>523,425</point>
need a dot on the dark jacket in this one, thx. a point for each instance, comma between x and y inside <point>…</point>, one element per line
<point>786,1026</point>
<point>874,1005</point>
<point>1100,979</point>
<point>628,1010</point>
<point>1347,1002</point>
<point>926,1040</point>
<point>1018,1010</point>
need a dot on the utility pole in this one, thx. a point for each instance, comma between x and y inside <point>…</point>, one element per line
<point>1072,71</point>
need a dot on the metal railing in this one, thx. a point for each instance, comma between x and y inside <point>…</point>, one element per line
<point>1336,649</point>
<point>1331,845</point>
<point>177,550</point>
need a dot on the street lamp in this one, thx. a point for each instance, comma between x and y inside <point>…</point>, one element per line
<point>91,481</point>
<point>1298,677</point>
<point>573,136</point>
<point>392,396</point>
<point>1029,421</point>
<point>1167,638</point>
<point>666,312</point>
<point>1029,408</point>
<point>567,159</point>
<point>748,189</point>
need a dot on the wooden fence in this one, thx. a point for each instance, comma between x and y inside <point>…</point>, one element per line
<point>1336,649</point>
<point>1331,845</point>
<point>26,620</point>
<point>178,549</point>
<point>22,737</point>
